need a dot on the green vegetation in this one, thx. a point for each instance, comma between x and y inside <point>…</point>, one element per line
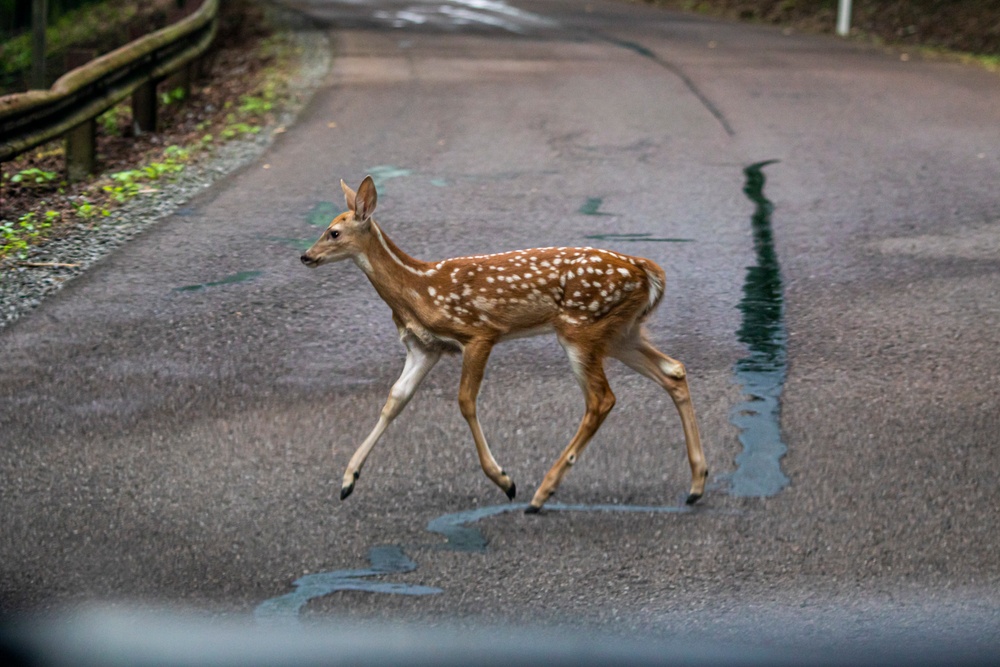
<point>15,237</point>
<point>112,120</point>
<point>171,96</point>
<point>15,15</point>
<point>251,104</point>
<point>34,175</point>
<point>85,209</point>
<point>127,184</point>
<point>75,27</point>
<point>234,129</point>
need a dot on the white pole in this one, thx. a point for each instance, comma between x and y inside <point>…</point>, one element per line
<point>843,17</point>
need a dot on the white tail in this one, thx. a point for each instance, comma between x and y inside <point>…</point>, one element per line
<point>593,300</point>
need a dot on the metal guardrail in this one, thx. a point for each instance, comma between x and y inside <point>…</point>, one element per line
<point>70,106</point>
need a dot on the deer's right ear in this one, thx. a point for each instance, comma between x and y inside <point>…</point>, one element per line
<point>349,195</point>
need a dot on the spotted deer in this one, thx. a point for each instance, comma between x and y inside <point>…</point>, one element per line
<point>595,301</point>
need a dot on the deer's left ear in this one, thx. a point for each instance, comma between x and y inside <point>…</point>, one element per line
<point>365,200</point>
<point>349,195</point>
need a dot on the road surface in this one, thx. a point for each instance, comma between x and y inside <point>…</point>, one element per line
<point>827,216</point>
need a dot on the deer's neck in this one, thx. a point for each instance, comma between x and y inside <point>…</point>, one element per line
<point>398,278</point>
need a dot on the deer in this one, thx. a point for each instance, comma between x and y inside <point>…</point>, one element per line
<point>594,300</point>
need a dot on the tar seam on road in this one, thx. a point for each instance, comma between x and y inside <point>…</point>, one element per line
<point>762,372</point>
<point>676,71</point>
<point>241,277</point>
<point>284,610</point>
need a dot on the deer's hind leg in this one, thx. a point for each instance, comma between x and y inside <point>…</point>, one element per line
<point>639,354</point>
<point>588,367</point>
<point>420,359</point>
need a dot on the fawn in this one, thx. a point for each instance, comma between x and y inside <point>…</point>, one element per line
<point>593,300</point>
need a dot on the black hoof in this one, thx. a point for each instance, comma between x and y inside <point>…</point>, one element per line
<point>512,491</point>
<point>346,491</point>
<point>692,499</point>
<point>531,509</point>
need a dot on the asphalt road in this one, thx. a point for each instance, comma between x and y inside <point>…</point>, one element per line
<point>167,420</point>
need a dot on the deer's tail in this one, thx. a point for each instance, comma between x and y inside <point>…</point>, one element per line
<point>655,281</point>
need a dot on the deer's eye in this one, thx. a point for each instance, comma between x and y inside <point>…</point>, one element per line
<point>334,233</point>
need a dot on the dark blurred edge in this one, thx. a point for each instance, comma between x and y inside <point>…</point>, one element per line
<point>138,638</point>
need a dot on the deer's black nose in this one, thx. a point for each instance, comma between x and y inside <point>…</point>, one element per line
<point>305,259</point>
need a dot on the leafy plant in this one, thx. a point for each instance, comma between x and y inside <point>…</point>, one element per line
<point>238,129</point>
<point>124,187</point>
<point>113,119</point>
<point>86,210</point>
<point>176,153</point>
<point>17,236</point>
<point>171,96</point>
<point>253,105</point>
<point>126,184</point>
<point>34,175</point>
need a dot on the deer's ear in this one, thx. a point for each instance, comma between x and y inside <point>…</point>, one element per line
<point>365,200</point>
<point>349,195</point>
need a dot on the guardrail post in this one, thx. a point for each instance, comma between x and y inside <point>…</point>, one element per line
<point>80,150</point>
<point>144,108</point>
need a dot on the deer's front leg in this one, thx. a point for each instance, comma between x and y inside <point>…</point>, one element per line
<point>474,358</point>
<point>419,361</point>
